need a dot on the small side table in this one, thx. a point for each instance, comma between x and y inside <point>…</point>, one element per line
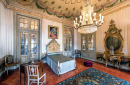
<point>24,70</point>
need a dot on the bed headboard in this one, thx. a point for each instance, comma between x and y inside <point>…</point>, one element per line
<point>53,47</point>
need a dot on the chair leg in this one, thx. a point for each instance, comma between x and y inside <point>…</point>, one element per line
<point>28,81</point>
<point>38,82</point>
<point>7,70</point>
<point>45,78</point>
<point>19,66</point>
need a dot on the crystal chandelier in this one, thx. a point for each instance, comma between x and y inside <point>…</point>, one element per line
<point>87,22</point>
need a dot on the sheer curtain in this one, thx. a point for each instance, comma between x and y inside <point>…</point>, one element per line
<point>6,31</point>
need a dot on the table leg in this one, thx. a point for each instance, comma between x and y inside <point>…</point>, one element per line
<point>106,62</point>
<point>117,64</point>
<point>20,76</point>
<point>42,66</point>
<point>24,79</point>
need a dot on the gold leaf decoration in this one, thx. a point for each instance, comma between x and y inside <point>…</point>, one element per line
<point>59,7</point>
<point>66,9</point>
<point>52,2</point>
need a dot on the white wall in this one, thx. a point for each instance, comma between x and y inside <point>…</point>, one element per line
<point>7,36</point>
<point>77,40</point>
<point>122,21</point>
<point>45,40</point>
<point>6,31</point>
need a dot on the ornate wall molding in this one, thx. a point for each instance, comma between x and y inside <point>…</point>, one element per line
<point>4,3</point>
<point>116,8</point>
<point>113,9</point>
<point>33,13</point>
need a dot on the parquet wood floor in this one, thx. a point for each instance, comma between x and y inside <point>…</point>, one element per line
<point>14,76</point>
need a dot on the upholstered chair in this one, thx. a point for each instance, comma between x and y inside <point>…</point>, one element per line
<point>77,53</point>
<point>9,62</point>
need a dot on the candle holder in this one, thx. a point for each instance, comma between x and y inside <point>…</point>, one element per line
<point>88,19</point>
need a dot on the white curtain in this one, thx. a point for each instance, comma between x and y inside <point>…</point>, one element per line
<point>6,31</point>
<point>122,21</point>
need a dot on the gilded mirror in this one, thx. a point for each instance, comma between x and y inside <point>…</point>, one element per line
<point>113,39</point>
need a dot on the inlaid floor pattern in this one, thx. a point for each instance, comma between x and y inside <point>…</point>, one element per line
<point>14,76</point>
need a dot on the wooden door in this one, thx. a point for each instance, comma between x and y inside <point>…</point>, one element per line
<point>91,46</point>
<point>27,38</point>
<point>68,41</point>
<point>68,45</point>
<point>83,46</point>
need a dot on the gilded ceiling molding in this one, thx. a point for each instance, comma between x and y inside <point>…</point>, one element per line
<point>70,11</point>
<point>32,13</point>
<point>106,5</point>
<point>4,3</point>
<point>116,8</point>
<point>25,2</point>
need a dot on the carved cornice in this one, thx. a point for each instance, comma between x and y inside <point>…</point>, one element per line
<point>4,3</point>
<point>116,8</point>
<point>111,10</point>
<point>33,13</point>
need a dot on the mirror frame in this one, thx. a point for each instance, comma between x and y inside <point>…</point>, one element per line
<point>116,33</point>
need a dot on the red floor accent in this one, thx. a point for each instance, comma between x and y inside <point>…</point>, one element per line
<point>14,76</point>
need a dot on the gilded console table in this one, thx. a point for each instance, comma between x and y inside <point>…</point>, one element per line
<point>118,58</point>
<point>24,70</point>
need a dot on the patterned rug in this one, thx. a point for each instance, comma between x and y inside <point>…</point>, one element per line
<point>92,76</point>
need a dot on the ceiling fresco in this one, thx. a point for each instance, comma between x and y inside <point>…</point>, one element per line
<point>68,8</point>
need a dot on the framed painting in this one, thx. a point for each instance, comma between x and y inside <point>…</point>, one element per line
<point>53,32</point>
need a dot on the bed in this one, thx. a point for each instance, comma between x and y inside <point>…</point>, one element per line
<point>59,63</point>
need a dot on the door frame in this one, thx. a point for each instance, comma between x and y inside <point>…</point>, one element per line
<point>94,47</point>
<point>16,14</point>
<point>82,51</point>
<point>72,35</point>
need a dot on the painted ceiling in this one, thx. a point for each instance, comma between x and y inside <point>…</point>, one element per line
<point>68,8</point>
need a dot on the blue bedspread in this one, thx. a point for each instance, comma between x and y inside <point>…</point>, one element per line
<point>66,64</point>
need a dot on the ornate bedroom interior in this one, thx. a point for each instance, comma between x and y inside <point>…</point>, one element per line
<point>46,33</point>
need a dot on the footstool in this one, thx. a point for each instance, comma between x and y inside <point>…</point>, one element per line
<point>88,63</point>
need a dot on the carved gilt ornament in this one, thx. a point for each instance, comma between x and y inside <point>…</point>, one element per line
<point>113,38</point>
